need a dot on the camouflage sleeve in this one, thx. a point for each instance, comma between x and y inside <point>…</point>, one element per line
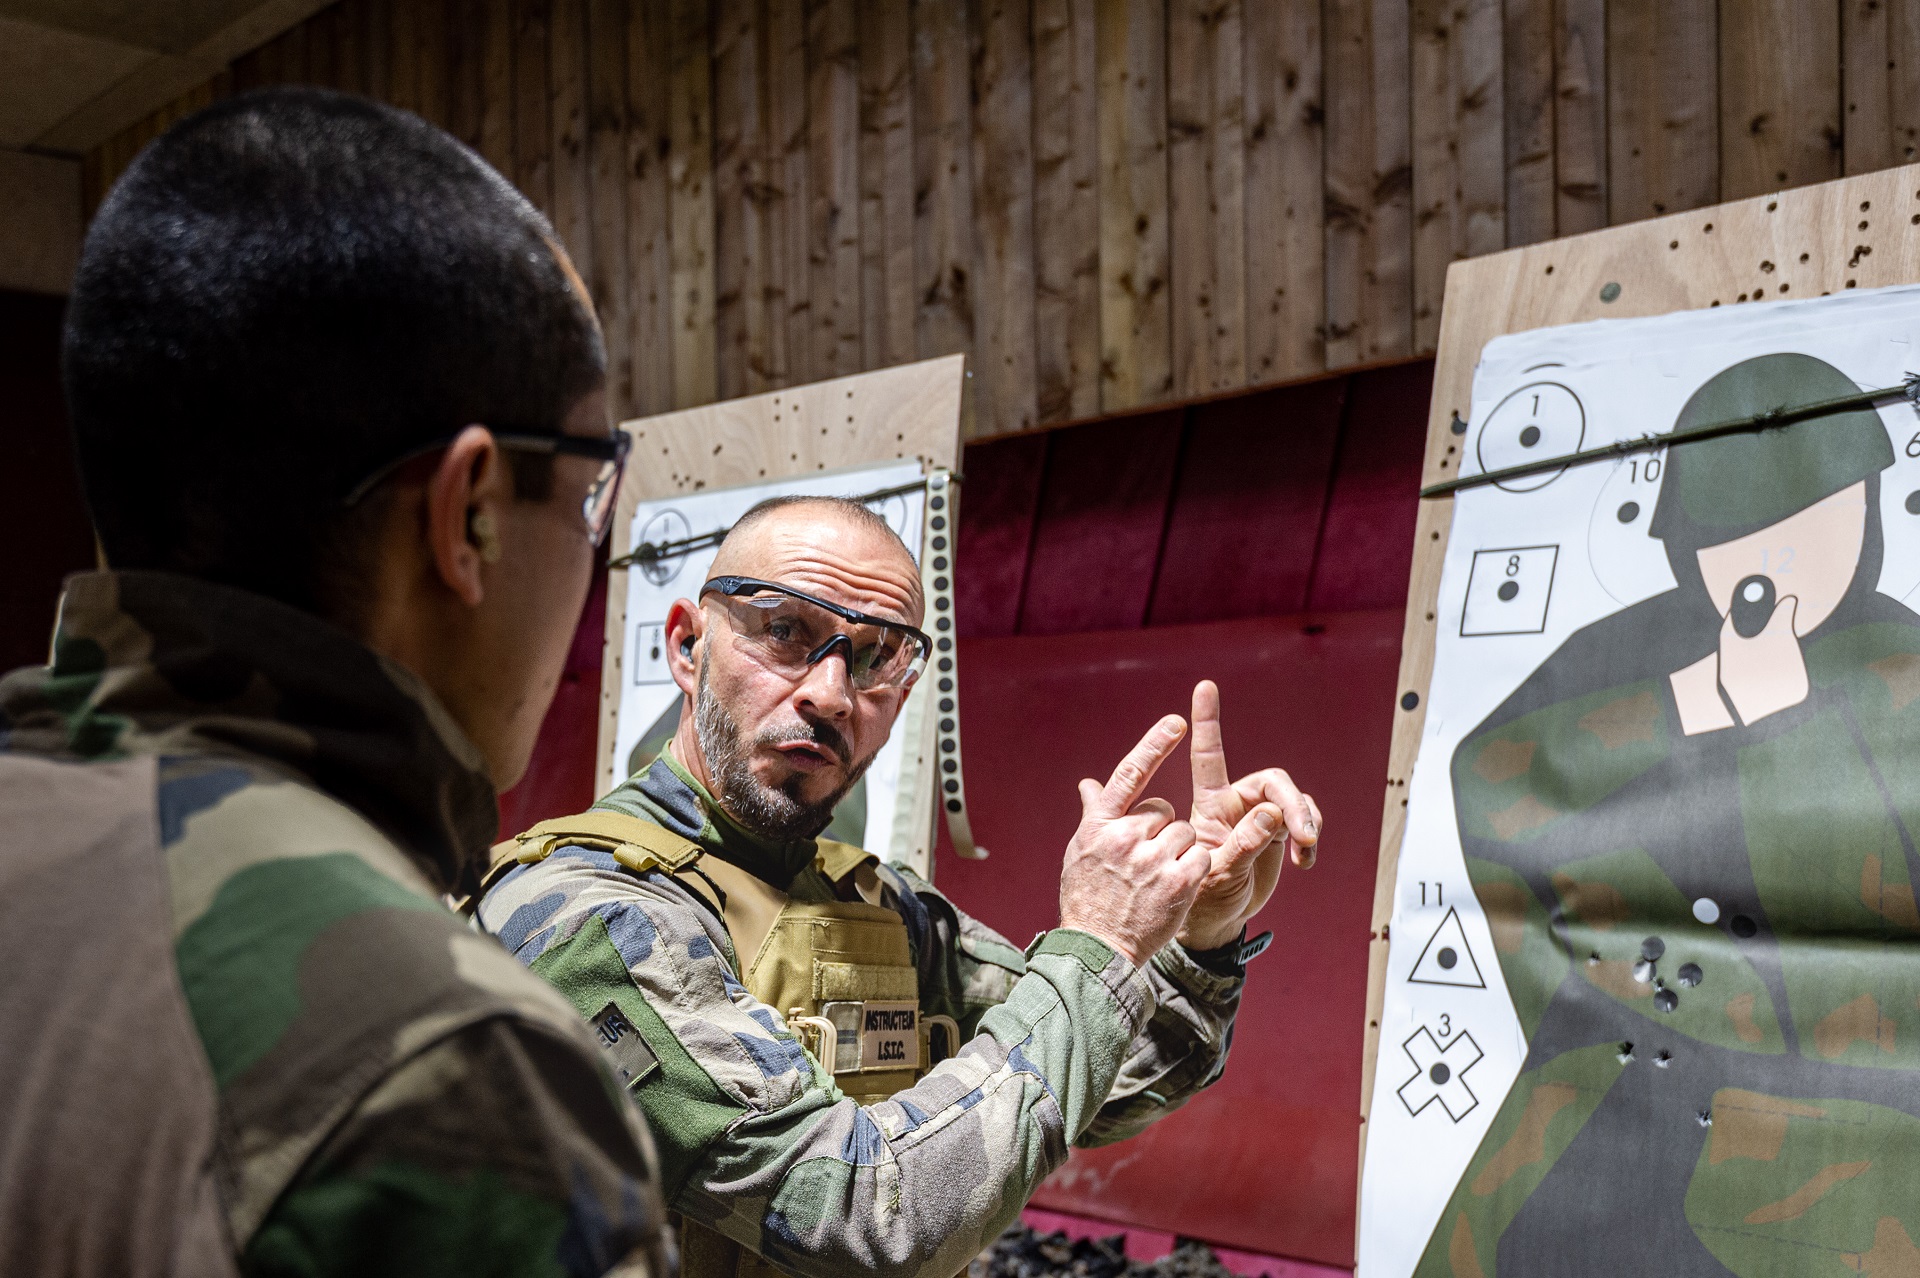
<point>967,968</point>
<point>502,1149</point>
<point>758,1144</point>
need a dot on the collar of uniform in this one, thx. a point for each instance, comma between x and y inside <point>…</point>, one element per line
<point>153,663</point>
<point>668,793</point>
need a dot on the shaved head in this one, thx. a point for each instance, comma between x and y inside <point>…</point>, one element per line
<point>830,542</point>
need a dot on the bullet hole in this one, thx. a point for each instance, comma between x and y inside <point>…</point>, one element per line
<point>1653,949</point>
<point>1507,591</point>
<point>1804,257</point>
<point>1439,1073</point>
<point>1913,502</point>
<point>1704,1118</point>
<point>1666,1000</point>
<point>1459,427</point>
<point>1628,512</point>
<point>1625,1054</point>
<point>1593,959</point>
<point>1673,244</point>
<point>1744,927</point>
<point>1690,974</point>
<point>1707,910</point>
<point>1643,971</point>
<point>1662,1058</point>
<point>1446,958</point>
<point>1529,437</point>
<point>1409,701</point>
<point>1609,292</point>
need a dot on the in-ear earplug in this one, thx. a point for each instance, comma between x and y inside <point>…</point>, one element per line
<point>686,646</point>
<point>485,537</point>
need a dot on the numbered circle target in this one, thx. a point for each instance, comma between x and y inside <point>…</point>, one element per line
<point>1900,510</point>
<point>1628,562</point>
<point>894,510</point>
<point>1540,420</point>
<point>668,525</point>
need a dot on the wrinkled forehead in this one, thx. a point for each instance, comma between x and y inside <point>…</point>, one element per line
<point>827,553</point>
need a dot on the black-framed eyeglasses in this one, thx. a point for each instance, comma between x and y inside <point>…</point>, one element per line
<point>597,508</point>
<point>790,631</point>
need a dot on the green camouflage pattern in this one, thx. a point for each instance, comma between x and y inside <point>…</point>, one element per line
<point>393,1094</point>
<point>1066,1042</point>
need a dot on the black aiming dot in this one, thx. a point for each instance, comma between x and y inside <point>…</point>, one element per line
<point>953,805</point>
<point>1691,975</point>
<point>943,623</point>
<point>949,765</point>
<point>939,583</point>
<point>1446,958</point>
<point>946,685</point>
<point>1409,701</point>
<point>1439,1073</point>
<point>1508,589</point>
<point>1529,437</point>
<point>943,643</point>
<point>939,543</point>
<point>1743,927</point>
<point>940,564</point>
<point>1913,502</point>
<point>1628,512</point>
<point>1666,1000</point>
<point>941,604</point>
<point>946,664</point>
<point>939,522</point>
<point>948,744</point>
<point>939,503</point>
<point>946,705</point>
<point>946,725</point>
<point>951,786</point>
<point>1652,949</point>
<point>654,652</point>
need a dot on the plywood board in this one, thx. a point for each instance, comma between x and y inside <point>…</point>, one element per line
<point>912,411</point>
<point>1859,232</point>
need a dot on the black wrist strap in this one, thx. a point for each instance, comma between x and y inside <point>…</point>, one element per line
<point>1232,958</point>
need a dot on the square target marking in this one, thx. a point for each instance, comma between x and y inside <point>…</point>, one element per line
<point>1508,590</point>
<point>650,654</point>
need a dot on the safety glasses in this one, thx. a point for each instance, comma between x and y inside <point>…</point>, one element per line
<point>596,508</point>
<point>789,631</point>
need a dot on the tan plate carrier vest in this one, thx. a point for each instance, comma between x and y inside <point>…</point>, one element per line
<point>840,971</point>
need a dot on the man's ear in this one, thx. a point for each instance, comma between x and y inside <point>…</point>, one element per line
<point>466,510</point>
<point>686,631</point>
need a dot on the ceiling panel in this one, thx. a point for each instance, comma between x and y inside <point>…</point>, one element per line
<point>170,26</point>
<point>46,75</point>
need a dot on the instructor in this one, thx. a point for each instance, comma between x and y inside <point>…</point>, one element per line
<point>695,917</point>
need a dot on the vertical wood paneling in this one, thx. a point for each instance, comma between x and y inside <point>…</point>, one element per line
<point>1369,182</point>
<point>833,180</point>
<point>1880,82</point>
<point>646,281</point>
<point>435,71</point>
<point>738,187</point>
<point>377,39</point>
<point>1779,95</point>
<point>496,83</point>
<point>1580,117</point>
<point>1285,192</point>
<point>887,190</point>
<point>322,47</point>
<point>350,45</point>
<point>1136,340</point>
<point>571,211</point>
<point>791,361</point>
<point>1066,212</point>
<point>466,92</point>
<point>1903,78</point>
<point>1003,386</point>
<point>611,199</point>
<point>1663,107</point>
<point>691,210</point>
<point>1459,187</point>
<point>1206,178</point>
<point>1529,40</point>
<point>532,140</point>
<point>404,39</point>
<point>943,179</point>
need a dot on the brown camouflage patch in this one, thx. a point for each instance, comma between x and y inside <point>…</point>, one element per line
<point>1750,1125</point>
<point>1901,674</point>
<point>1891,901</point>
<point>1615,977</point>
<point>1625,721</point>
<point>1893,1254</point>
<point>1528,814</point>
<point>1850,1023</point>
<point>1528,1144</point>
<point>1795,1205</point>
<point>1740,1012</point>
<point>1505,905</point>
<point>1599,905</point>
<point>1460,1252</point>
<point>1504,760</point>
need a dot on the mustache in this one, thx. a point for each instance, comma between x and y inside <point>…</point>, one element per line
<point>810,733</point>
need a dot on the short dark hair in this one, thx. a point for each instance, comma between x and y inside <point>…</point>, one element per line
<point>284,292</point>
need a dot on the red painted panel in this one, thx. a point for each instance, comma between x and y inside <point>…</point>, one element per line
<point>1366,548</point>
<point>1247,506</point>
<point>998,503</point>
<point>559,779</point>
<point>1102,512</point>
<point>1264,1160</point>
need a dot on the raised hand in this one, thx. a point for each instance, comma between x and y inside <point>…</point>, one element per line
<point>1245,827</point>
<point>1132,869</point>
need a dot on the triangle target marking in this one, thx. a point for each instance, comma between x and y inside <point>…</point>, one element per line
<point>1447,959</point>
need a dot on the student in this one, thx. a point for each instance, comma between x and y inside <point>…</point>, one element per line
<point>339,407</point>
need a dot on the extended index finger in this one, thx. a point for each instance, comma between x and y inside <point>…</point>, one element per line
<point>1208,753</point>
<point>1124,788</point>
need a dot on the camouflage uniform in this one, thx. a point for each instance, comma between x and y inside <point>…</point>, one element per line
<point>1067,1042</point>
<point>244,1034</point>
<point>1749,1102</point>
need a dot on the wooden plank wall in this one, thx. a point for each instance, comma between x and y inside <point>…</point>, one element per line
<point>1105,204</point>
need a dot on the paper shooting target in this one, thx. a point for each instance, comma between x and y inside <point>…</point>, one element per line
<point>1539,420</point>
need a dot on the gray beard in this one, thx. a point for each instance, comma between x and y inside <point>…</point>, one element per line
<point>775,813</point>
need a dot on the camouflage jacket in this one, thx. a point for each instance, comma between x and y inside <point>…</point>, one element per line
<point>1068,1042</point>
<point>243,1033</point>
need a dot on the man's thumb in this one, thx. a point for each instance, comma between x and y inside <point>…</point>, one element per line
<point>1090,791</point>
